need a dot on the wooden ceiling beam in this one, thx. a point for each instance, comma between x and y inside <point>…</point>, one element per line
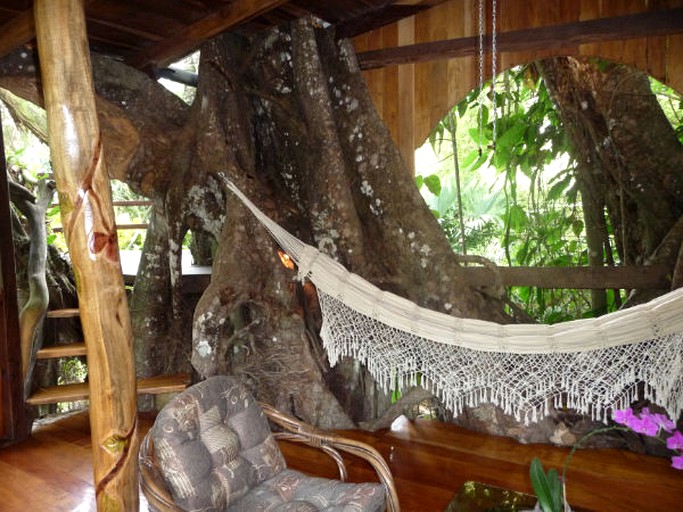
<point>190,38</point>
<point>567,35</point>
<point>379,19</point>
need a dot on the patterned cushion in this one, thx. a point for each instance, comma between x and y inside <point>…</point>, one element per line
<point>292,491</point>
<point>216,453</point>
<point>213,443</point>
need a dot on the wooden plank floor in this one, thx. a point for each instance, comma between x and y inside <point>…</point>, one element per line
<point>52,472</point>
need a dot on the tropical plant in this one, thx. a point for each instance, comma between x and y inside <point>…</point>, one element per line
<point>519,203</point>
<point>550,486</point>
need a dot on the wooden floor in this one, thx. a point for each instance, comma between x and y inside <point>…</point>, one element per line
<point>52,472</point>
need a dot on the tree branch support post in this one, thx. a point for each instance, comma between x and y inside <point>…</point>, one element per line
<point>90,231</point>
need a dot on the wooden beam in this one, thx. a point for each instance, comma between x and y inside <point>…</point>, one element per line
<point>631,277</point>
<point>378,19</point>
<point>88,217</point>
<point>192,36</point>
<point>566,35</point>
<point>12,417</point>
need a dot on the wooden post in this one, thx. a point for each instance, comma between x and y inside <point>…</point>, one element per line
<point>90,231</point>
<point>13,422</point>
<point>406,98</point>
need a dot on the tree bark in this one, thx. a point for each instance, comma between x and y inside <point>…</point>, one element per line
<point>628,170</point>
<point>33,312</point>
<point>287,116</point>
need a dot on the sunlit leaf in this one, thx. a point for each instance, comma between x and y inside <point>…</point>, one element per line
<point>433,183</point>
<point>511,136</point>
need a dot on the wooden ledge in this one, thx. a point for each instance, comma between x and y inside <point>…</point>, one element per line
<point>63,313</point>
<point>73,392</point>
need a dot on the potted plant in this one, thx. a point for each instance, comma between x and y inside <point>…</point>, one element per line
<point>549,486</point>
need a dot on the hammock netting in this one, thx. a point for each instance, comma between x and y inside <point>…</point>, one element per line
<point>591,365</point>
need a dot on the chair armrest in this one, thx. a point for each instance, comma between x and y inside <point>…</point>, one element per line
<point>297,431</point>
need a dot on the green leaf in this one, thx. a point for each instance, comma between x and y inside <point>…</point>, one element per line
<point>555,490</point>
<point>462,108</point>
<point>511,136</point>
<point>558,188</point>
<point>522,254</point>
<point>577,227</point>
<point>502,157</point>
<point>469,158</point>
<point>433,184</point>
<point>474,134</point>
<point>539,481</point>
<point>479,162</point>
<point>419,180</point>
<point>518,217</point>
<point>546,487</point>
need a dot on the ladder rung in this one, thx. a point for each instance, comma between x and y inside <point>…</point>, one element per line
<point>72,392</point>
<point>163,383</point>
<point>63,313</point>
<point>56,351</point>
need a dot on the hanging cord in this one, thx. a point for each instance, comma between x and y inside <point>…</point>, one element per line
<point>480,20</point>
<point>494,71</point>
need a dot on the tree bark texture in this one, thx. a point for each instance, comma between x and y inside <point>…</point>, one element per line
<point>287,116</point>
<point>34,309</point>
<point>312,152</point>
<point>629,159</point>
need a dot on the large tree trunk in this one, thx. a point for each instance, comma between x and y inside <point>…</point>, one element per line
<point>309,148</point>
<point>286,116</point>
<point>629,158</point>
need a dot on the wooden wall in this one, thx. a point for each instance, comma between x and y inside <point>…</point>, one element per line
<point>412,98</point>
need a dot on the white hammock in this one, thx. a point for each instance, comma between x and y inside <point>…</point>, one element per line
<point>591,365</point>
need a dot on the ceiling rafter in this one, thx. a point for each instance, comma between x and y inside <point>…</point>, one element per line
<point>191,37</point>
<point>567,35</point>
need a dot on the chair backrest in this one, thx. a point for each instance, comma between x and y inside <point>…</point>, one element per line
<point>214,443</point>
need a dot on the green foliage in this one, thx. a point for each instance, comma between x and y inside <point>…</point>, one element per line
<point>71,370</point>
<point>547,486</point>
<point>672,105</point>
<point>520,201</point>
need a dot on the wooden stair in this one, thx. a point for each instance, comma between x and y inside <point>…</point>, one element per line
<point>63,313</point>
<point>73,392</point>
<point>57,351</point>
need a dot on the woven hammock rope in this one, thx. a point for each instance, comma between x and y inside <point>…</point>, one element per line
<point>593,365</point>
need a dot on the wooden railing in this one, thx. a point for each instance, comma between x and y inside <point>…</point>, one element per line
<point>115,204</point>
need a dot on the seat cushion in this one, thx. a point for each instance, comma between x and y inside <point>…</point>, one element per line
<point>293,491</point>
<point>213,444</point>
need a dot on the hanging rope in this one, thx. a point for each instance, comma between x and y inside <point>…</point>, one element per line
<point>480,28</point>
<point>494,71</point>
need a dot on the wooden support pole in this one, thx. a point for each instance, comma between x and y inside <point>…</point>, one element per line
<point>90,231</point>
<point>13,421</point>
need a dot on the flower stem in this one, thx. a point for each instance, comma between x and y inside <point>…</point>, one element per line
<point>578,444</point>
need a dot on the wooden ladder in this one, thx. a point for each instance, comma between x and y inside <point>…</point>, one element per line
<point>73,392</point>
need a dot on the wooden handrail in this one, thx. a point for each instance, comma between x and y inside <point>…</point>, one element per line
<point>123,203</point>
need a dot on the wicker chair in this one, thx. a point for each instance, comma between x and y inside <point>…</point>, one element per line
<point>212,448</point>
